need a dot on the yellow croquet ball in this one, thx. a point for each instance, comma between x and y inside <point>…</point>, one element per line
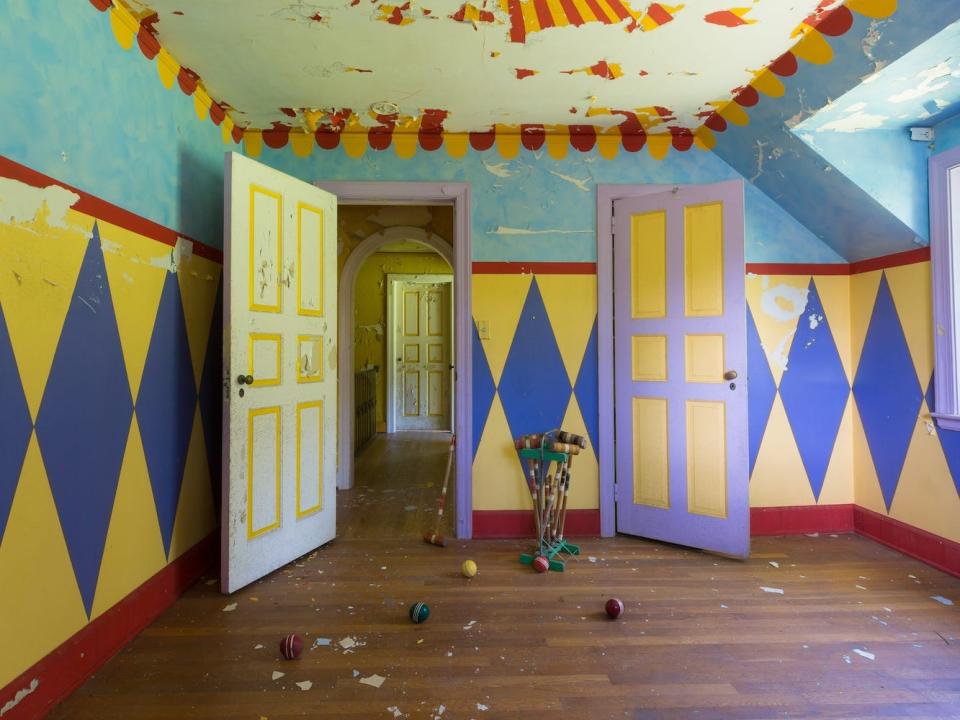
<point>469,568</point>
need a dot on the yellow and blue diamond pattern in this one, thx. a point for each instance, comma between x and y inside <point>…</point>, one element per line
<point>109,373</point>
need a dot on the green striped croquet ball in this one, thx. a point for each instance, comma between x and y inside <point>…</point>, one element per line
<point>419,612</point>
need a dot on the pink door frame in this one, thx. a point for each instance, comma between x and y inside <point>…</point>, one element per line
<point>606,195</point>
<point>426,193</point>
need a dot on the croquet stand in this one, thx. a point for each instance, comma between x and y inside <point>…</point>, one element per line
<point>550,550</point>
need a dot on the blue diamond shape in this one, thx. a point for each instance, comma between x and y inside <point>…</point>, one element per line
<point>483,389</point>
<point>586,388</point>
<point>887,391</point>
<point>166,404</point>
<point>84,419</point>
<point>535,389</point>
<point>16,423</point>
<point>762,389</point>
<point>949,439</point>
<point>211,395</point>
<point>814,390</point>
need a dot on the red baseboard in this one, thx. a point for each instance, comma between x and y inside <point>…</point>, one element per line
<point>931,549</point>
<point>519,523</point>
<point>66,668</point>
<point>801,519</point>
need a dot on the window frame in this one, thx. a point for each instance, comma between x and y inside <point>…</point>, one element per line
<point>945,258</point>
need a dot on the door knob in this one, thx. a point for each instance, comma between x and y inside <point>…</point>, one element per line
<point>245,379</point>
<point>730,375</point>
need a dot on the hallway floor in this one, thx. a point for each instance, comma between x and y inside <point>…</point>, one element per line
<point>856,632</point>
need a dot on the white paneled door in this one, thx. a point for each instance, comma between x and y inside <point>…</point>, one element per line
<point>280,370</point>
<point>420,324</point>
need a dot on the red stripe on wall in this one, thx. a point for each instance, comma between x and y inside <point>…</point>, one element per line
<point>796,520</point>
<point>910,257</point>
<point>103,210</point>
<point>66,668</point>
<point>931,549</point>
<point>535,268</point>
<point>519,524</point>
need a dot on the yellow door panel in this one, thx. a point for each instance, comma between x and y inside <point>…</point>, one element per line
<point>703,259</point>
<point>309,260</point>
<point>648,265</point>
<point>706,458</point>
<point>651,458</point>
<point>650,358</point>
<point>263,471</point>
<point>266,250</point>
<point>309,358</point>
<point>704,358</point>
<point>309,457</point>
<point>265,359</point>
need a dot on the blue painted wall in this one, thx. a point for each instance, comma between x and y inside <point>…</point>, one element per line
<point>561,214</point>
<point>79,108</point>
<point>948,134</point>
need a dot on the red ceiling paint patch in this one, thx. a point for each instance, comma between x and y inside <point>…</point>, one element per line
<point>327,138</point>
<point>602,69</point>
<point>524,73</point>
<point>289,112</point>
<point>734,17</point>
<point>532,137</point>
<point>716,122</point>
<point>187,79</point>
<point>431,129</point>
<point>644,73</point>
<point>277,136</point>
<point>217,113</point>
<point>395,14</point>
<point>518,29</point>
<point>481,141</point>
<point>834,22</point>
<point>682,138</point>
<point>237,133</point>
<point>379,137</point>
<point>632,135</point>
<point>470,13</point>
<point>102,5</point>
<point>746,96</point>
<point>147,41</point>
<point>785,65</point>
<point>583,137</point>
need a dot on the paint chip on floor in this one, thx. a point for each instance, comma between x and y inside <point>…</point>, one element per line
<point>304,685</point>
<point>774,563</point>
<point>865,654</point>
<point>941,599</point>
<point>775,591</point>
<point>320,642</point>
<point>277,675</point>
<point>482,708</point>
<point>396,711</point>
<point>258,646</point>
<point>230,608</point>
<point>470,625</point>
<point>592,559</point>
<point>373,680</point>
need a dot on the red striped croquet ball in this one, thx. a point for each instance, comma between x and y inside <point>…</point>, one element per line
<point>419,612</point>
<point>291,646</point>
<point>614,608</point>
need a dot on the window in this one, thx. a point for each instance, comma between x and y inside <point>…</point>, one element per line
<point>945,255</point>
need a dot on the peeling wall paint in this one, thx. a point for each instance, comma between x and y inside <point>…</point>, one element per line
<point>22,203</point>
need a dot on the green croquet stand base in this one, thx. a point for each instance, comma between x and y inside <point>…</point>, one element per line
<point>551,552</point>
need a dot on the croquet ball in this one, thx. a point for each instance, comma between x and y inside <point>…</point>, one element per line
<point>419,612</point>
<point>291,646</point>
<point>541,564</point>
<point>614,608</point>
<point>469,568</point>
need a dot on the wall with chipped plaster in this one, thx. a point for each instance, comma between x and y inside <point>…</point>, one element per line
<point>370,312</point>
<point>109,379</point>
<point>97,117</point>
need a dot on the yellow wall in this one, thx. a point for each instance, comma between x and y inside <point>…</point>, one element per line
<point>370,311</point>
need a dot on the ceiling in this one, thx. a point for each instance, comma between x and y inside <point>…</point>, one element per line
<point>921,88</point>
<point>470,66</point>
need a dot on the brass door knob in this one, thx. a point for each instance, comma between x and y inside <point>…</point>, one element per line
<point>245,379</point>
<point>730,375</point>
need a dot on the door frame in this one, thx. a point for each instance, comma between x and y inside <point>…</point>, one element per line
<point>391,369</point>
<point>456,194</point>
<point>606,451</point>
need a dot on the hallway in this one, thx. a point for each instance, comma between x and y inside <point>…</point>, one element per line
<point>397,480</point>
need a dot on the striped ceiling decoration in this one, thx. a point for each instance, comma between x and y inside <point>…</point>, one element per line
<point>554,101</point>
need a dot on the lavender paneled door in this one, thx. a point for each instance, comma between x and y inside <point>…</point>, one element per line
<point>680,368</point>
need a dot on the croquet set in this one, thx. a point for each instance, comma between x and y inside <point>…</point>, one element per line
<point>548,459</point>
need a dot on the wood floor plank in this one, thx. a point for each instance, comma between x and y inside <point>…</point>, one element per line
<point>699,639</point>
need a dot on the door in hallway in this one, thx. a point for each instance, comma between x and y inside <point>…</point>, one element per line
<point>680,367</point>
<point>280,372</point>
<point>420,325</point>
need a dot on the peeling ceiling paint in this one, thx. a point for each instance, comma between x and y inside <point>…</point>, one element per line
<point>920,88</point>
<point>451,66</point>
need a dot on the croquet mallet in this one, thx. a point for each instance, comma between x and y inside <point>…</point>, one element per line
<point>435,538</point>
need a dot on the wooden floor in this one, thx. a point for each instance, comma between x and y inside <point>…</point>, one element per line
<point>699,639</point>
